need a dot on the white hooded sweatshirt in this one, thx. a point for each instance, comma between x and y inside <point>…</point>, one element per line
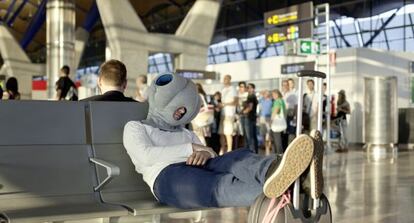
<point>160,141</point>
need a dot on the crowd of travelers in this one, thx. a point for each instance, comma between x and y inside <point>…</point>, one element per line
<point>231,118</point>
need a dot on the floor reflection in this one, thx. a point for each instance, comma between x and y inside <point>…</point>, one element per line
<point>359,190</point>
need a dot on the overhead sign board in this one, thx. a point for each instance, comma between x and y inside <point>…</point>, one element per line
<point>197,74</point>
<point>293,68</point>
<point>288,15</point>
<point>291,32</point>
<point>308,47</point>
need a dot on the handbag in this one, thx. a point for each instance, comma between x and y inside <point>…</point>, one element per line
<point>279,122</point>
<point>206,115</point>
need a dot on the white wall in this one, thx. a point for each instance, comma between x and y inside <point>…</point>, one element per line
<point>352,65</point>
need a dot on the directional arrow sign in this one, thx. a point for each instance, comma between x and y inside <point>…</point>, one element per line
<point>305,47</point>
<point>308,47</point>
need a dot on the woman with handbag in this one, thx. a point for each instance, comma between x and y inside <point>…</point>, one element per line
<point>202,122</point>
<point>278,121</point>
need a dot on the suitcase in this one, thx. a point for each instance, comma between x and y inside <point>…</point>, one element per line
<point>301,208</point>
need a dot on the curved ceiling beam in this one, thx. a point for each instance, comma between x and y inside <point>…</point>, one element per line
<point>16,13</point>
<point>34,26</point>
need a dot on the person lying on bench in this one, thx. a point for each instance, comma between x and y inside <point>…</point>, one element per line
<point>184,174</point>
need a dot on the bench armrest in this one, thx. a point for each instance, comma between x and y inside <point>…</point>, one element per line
<point>111,169</point>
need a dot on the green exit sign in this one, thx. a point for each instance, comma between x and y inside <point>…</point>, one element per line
<point>308,47</point>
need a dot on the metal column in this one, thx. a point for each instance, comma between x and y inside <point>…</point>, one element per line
<point>60,39</point>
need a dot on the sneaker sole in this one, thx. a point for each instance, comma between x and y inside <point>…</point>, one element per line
<point>316,173</point>
<point>295,160</point>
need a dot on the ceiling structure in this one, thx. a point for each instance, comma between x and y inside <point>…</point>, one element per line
<point>237,19</point>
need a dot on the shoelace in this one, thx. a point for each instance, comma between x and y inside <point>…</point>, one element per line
<point>272,211</point>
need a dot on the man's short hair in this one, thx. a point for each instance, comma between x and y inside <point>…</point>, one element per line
<point>65,69</point>
<point>252,85</point>
<point>242,82</point>
<point>113,72</point>
<point>310,80</point>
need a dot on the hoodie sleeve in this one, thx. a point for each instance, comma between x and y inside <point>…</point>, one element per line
<point>140,148</point>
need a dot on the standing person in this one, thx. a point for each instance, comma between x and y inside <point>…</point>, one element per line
<point>285,94</point>
<point>240,117</point>
<point>265,104</point>
<point>291,84</point>
<point>215,136</point>
<point>202,131</point>
<point>277,108</point>
<point>342,109</point>
<point>324,106</point>
<point>291,101</point>
<point>141,94</point>
<point>228,105</point>
<point>310,106</point>
<point>249,112</point>
<point>112,82</point>
<point>64,85</point>
<point>12,89</point>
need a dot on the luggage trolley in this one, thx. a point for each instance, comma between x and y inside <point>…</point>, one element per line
<point>298,210</point>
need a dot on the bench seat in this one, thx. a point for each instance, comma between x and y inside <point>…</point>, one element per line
<point>62,211</point>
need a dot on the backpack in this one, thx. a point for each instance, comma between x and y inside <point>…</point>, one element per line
<point>72,94</point>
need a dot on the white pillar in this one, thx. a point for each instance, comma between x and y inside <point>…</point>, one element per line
<point>60,40</point>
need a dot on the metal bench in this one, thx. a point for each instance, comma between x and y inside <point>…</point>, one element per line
<point>65,161</point>
<point>45,172</point>
<point>107,121</point>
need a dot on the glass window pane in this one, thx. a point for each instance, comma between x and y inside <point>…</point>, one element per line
<point>366,23</point>
<point>251,54</point>
<point>352,40</point>
<point>409,45</point>
<point>170,66</point>
<point>396,45</point>
<point>210,60</point>
<point>347,28</point>
<point>222,58</point>
<point>395,34</point>
<point>271,51</point>
<point>236,56</point>
<point>398,20</point>
<point>280,50</point>
<point>409,32</point>
<point>233,47</point>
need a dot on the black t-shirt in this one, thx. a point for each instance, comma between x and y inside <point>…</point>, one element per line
<point>64,84</point>
<point>252,115</point>
<point>110,96</point>
<point>341,114</point>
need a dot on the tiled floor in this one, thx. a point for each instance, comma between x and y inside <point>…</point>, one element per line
<point>359,190</point>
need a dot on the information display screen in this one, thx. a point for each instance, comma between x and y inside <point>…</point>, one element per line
<point>196,74</point>
<point>293,68</point>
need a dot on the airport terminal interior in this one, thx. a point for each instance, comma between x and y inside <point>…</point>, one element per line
<point>206,111</point>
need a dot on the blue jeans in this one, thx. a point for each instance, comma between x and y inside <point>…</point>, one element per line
<point>232,180</point>
<point>250,133</point>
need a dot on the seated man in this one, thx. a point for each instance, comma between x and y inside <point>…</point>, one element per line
<point>184,174</point>
<point>112,82</point>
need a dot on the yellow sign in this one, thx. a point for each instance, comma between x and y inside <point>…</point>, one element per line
<point>284,18</point>
<point>282,34</point>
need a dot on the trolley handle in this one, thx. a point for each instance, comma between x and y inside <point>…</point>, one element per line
<point>311,73</point>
